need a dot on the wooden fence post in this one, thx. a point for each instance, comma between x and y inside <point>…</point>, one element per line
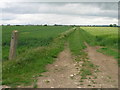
<point>13,45</point>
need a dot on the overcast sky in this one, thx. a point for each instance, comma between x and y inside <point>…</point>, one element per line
<point>59,13</point>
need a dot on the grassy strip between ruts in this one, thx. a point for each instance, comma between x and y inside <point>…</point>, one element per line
<point>31,64</point>
<point>77,46</point>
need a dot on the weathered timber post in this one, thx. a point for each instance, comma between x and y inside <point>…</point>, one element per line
<point>13,45</point>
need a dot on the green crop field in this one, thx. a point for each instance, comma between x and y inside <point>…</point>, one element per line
<point>40,45</point>
<point>105,36</point>
<point>29,37</point>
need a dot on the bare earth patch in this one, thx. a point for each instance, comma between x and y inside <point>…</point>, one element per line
<point>108,67</point>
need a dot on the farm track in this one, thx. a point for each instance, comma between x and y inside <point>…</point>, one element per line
<point>63,73</point>
<point>108,67</point>
<point>60,73</point>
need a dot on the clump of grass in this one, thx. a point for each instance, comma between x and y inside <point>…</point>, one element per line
<point>35,84</point>
<point>108,51</point>
<point>89,85</point>
<point>81,81</point>
<point>87,69</point>
<point>85,72</point>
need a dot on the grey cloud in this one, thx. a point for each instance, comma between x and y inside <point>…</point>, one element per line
<point>104,5</point>
<point>61,13</point>
<point>8,16</point>
<point>106,9</point>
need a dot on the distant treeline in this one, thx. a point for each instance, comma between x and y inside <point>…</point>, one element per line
<point>111,25</point>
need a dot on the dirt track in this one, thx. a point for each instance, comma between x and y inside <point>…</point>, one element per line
<point>63,73</point>
<point>59,73</point>
<point>108,75</point>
